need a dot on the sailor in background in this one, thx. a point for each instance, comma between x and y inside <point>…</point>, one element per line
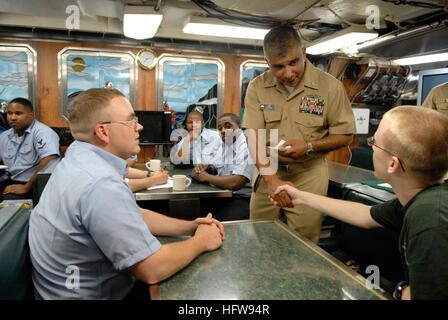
<point>26,148</point>
<point>437,99</point>
<point>200,145</point>
<point>235,174</point>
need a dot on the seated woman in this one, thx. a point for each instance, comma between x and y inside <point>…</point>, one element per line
<point>199,146</point>
<point>234,173</point>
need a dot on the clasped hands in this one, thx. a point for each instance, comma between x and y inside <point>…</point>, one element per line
<point>210,230</point>
<point>159,176</point>
<point>16,189</point>
<point>200,172</point>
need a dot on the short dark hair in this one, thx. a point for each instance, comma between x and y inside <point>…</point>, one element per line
<point>280,38</point>
<point>233,116</point>
<point>194,112</point>
<point>24,102</point>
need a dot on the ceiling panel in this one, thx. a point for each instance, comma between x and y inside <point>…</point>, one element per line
<point>323,17</point>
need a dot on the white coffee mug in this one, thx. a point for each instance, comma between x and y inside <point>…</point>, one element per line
<point>181,182</point>
<point>153,164</point>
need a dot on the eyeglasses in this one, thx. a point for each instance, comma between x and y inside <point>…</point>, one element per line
<point>130,123</point>
<point>371,142</point>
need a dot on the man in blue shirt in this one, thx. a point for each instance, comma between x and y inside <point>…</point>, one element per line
<point>88,238</point>
<point>26,148</point>
<point>234,174</point>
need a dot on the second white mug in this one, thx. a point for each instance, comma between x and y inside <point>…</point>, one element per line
<point>153,164</point>
<point>181,182</point>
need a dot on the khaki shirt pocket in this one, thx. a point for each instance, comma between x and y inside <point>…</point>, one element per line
<point>272,118</point>
<point>442,105</point>
<point>309,125</point>
<point>273,121</point>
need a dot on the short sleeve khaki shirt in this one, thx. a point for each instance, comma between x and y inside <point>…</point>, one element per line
<point>318,106</point>
<point>437,99</point>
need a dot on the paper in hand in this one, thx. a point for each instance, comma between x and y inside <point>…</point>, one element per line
<point>277,147</point>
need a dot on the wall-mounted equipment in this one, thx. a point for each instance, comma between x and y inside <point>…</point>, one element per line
<point>379,85</point>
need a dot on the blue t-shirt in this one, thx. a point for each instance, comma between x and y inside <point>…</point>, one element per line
<point>87,223</point>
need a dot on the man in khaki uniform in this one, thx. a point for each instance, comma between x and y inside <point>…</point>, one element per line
<point>311,112</point>
<point>437,99</point>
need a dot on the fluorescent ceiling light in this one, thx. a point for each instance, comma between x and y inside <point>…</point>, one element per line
<point>140,22</point>
<point>373,42</point>
<point>427,58</point>
<point>342,39</point>
<point>212,27</point>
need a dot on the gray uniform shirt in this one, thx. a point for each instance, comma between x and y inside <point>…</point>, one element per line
<point>87,229</point>
<point>237,160</point>
<point>23,156</point>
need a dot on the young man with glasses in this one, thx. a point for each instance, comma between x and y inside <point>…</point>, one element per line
<point>371,143</point>
<point>139,179</point>
<point>88,238</point>
<point>410,152</point>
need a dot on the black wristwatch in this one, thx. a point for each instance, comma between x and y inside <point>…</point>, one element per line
<point>310,150</point>
<point>398,291</point>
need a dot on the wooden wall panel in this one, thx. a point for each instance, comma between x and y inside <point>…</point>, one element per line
<point>48,92</point>
<point>47,88</point>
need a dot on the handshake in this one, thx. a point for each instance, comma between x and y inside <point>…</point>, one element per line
<point>281,193</point>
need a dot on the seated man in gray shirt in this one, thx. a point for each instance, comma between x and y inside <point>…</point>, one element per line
<point>235,172</point>
<point>26,148</point>
<point>88,238</point>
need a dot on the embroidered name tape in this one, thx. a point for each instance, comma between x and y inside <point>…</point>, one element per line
<point>266,106</point>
